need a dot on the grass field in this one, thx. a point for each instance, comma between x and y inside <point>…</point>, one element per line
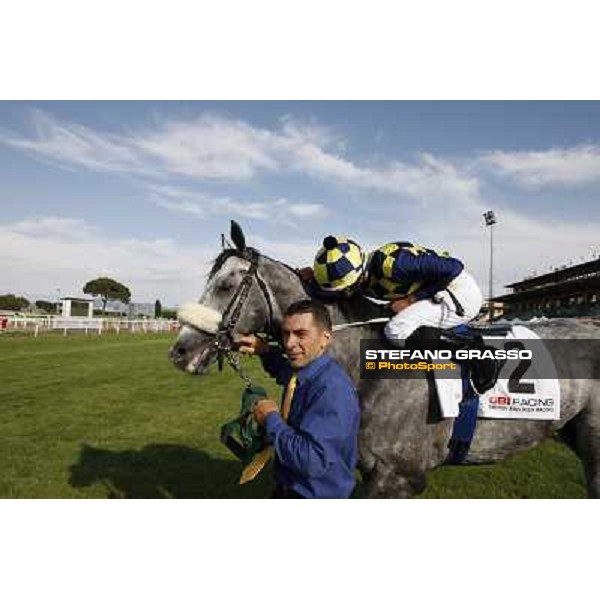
<point>108,416</point>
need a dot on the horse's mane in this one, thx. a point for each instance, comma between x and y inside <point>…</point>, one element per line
<point>227,253</point>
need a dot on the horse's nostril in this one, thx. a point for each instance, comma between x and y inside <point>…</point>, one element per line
<point>181,351</point>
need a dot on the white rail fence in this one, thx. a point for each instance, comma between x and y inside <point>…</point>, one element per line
<point>37,325</point>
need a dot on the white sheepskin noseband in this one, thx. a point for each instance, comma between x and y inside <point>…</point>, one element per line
<point>199,316</point>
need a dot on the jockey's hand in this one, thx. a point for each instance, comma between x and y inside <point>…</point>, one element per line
<point>250,344</point>
<point>305,273</point>
<point>263,408</point>
<point>399,305</point>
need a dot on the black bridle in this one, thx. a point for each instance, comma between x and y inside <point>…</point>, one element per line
<point>224,337</point>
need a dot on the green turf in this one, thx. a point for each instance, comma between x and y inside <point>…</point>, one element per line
<point>108,416</point>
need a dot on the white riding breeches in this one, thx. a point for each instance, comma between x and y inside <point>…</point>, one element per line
<point>442,315</point>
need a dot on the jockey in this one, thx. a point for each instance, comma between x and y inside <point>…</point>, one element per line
<point>423,287</point>
<point>427,293</point>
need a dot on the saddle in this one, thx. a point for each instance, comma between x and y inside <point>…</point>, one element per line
<point>495,330</point>
<point>483,372</point>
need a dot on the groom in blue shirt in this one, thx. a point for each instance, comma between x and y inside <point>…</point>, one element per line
<point>316,448</point>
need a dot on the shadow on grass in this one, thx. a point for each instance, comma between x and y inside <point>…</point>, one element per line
<point>176,471</point>
<point>164,471</point>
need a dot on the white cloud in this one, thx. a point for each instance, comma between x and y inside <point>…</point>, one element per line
<point>72,144</point>
<point>200,205</point>
<point>41,255</point>
<point>564,166</point>
<point>209,148</point>
<point>299,253</point>
<point>65,229</point>
<point>306,210</point>
<point>213,148</point>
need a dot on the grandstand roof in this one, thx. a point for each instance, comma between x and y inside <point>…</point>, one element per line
<point>581,284</point>
<point>583,270</point>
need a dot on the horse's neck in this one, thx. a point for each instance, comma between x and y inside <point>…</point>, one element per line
<point>354,309</point>
<point>285,286</point>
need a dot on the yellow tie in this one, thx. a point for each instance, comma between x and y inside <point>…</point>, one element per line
<point>263,457</point>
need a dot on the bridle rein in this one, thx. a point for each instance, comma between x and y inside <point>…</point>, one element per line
<point>223,342</point>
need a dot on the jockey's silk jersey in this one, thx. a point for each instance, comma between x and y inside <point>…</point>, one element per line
<point>399,269</point>
<point>316,450</point>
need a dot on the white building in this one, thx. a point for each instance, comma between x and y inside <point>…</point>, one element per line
<point>76,307</point>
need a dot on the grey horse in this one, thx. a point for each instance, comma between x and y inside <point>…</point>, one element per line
<point>402,435</point>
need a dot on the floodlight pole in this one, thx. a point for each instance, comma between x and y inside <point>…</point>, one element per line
<point>490,221</point>
<point>491,287</point>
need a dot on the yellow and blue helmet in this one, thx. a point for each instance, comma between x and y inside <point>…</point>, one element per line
<point>339,266</point>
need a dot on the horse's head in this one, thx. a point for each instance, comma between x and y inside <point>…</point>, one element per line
<point>244,293</point>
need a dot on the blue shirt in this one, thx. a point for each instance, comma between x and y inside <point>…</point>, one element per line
<point>316,451</point>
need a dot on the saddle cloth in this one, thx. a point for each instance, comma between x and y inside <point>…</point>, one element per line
<point>541,403</point>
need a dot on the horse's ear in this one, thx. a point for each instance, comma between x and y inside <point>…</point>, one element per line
<point>237,236</point>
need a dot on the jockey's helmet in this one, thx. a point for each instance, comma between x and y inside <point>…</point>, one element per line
<point>339,266</point>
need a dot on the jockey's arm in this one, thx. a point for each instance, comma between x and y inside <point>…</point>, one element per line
<point>305,273</point>
<point>435,271</point>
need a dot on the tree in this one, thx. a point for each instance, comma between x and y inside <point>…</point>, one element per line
<point>46,306</point>
<point>157,309</point>
<point>107,289</point>
<point>12,302</point>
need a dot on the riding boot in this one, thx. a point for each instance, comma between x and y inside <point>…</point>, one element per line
<point>483,371</point>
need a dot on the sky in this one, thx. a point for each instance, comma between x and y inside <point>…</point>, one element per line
<point>141,191</point>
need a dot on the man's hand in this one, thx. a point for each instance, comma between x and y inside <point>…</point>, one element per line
<point>305,273</point>
<point>263,408</point>
<point>399,305</point>
<point>250,344</point>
